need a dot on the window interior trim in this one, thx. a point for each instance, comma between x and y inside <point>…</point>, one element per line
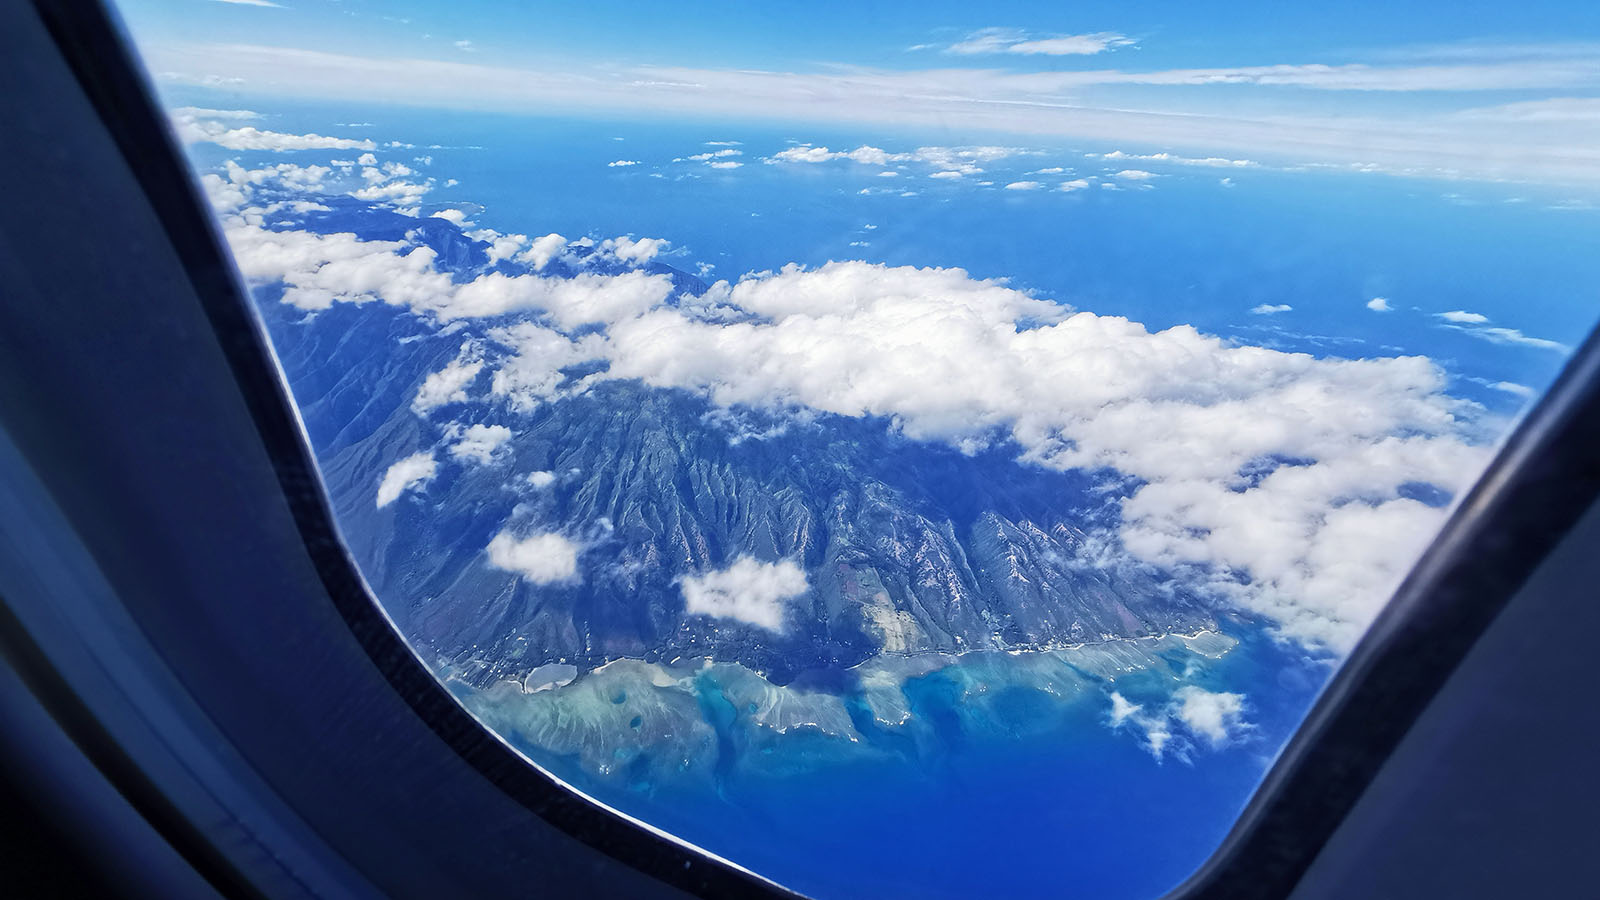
<point>1541,481</point>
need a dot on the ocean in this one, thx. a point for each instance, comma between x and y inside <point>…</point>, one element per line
<point>1035,793</point>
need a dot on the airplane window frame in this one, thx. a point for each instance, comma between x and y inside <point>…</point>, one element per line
<point>1539,484</point>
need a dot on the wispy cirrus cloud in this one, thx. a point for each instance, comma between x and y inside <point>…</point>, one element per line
<point>186,113</point>
<point>1366,136</point>
<point>1477,325</point>
<point>1556,109</point>
<point>1514,337</point>
<point>1016,41</point>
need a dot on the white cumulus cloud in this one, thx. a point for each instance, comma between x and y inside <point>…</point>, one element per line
<point>478,443</point>
<point>410,473</point>
<point>1463,317</point>
<point>1212,715</point>
<point>1156,727</point>
<point>1268,309</point>
<point>541,250</point>
<point>1379,304</point>
<point>319,270</point>
<point>448,385</point>
<point>629,250</point>
<point>545,558</point>
<point>192,128</point>
<point>1192,714</point>
<point>946,357</point>
<point>748,591</point>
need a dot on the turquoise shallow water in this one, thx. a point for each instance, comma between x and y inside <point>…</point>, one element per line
<point>1015,791</point>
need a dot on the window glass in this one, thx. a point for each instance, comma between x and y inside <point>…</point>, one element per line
<point>921,450</point>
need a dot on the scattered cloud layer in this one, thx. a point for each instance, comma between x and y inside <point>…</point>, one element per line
<point>1219,162</point>
<point>1280,482</point>
<point>1191,717</point>
<point>947,162</point>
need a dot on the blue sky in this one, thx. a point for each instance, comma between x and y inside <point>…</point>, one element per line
<point>741,34</point>
<point>1494,91</point>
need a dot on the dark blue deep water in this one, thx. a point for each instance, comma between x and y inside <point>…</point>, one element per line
<point>1045,800</point>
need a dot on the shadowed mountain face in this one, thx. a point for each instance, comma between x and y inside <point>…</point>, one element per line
<point>907,546</point>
